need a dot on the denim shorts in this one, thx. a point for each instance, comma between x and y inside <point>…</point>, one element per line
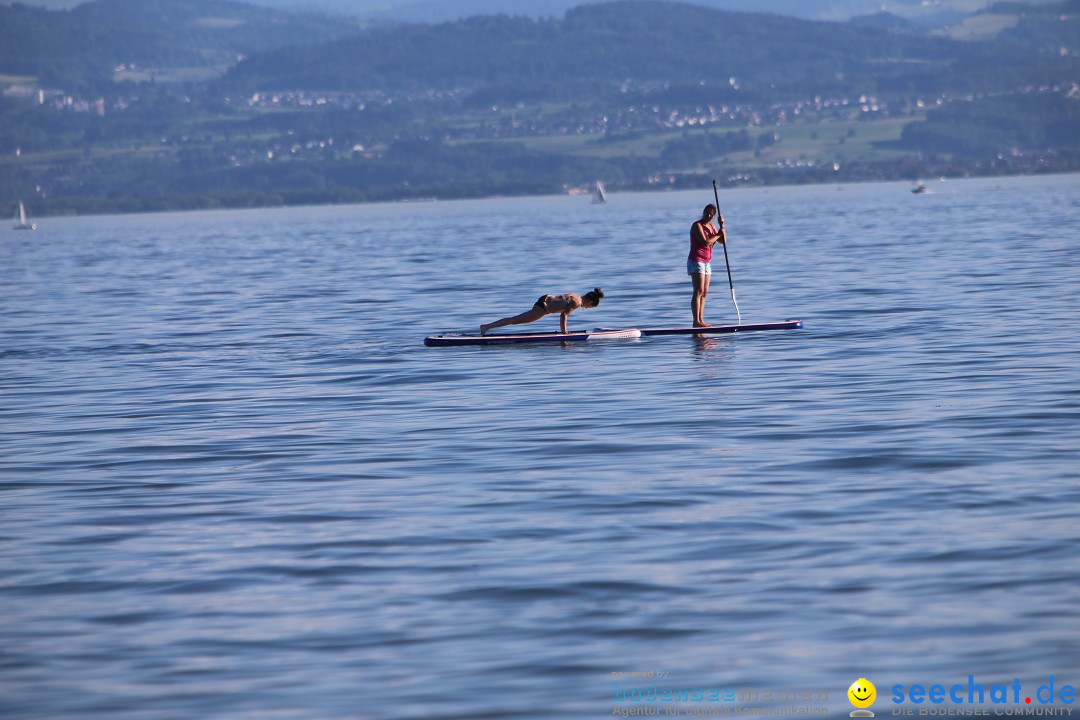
<point>693,268</point>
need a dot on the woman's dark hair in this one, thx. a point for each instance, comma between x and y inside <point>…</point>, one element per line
<point>593,296</point>
<point>708,208</point>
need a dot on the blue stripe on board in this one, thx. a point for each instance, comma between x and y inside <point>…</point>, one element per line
<point>721,329</point>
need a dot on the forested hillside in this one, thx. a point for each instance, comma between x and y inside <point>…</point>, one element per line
<point>596,46</point>
<point>79,49</point>
<point>147,104</point>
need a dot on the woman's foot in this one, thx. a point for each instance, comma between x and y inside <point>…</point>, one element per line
<point>484,329</point>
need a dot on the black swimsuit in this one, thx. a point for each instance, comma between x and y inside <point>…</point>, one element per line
<point>541,303</point>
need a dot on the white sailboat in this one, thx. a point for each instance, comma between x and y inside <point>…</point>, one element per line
<point>598,195</point>
<point>21,222</point>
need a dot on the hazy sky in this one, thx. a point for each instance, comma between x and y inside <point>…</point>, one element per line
<point>441,10</point>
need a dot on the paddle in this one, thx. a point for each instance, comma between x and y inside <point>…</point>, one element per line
<point>720,221</point>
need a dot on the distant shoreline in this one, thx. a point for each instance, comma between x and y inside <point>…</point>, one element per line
<point>312,199</point>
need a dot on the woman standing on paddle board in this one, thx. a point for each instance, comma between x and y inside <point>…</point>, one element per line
<point>548,304</point>
<point>699,263</point>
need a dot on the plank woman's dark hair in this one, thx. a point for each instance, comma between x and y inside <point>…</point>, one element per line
<point>593,296</point>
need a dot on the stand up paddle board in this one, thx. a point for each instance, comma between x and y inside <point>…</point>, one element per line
<point>722,329</point>
<point>450,339</point>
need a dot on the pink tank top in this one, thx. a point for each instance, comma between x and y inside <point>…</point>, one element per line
<point>699,252</point>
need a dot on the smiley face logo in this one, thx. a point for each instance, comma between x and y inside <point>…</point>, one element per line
<point>862,693</point>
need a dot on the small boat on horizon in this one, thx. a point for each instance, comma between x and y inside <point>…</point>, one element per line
<point>599,196</point>
<point>21,223</point>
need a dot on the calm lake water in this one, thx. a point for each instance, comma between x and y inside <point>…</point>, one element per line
<point>234,483</point>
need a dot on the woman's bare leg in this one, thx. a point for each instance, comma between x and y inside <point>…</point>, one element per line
<point>697,302</point>
<point>526,317</point>
<point>704,294</point>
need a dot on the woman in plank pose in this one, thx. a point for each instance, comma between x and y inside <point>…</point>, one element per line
<point>699,263</point>
<point>548,304</point>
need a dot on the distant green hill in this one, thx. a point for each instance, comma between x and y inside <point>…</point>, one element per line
<point>1047,29</point>
<point>81,47</point>
<point>983,127</point>
<point>641,94</point>
<point>594,49</point>
<point>609,43</point>
<point>599,46</point>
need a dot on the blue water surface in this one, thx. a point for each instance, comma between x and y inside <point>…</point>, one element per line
<point>234,482</point>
